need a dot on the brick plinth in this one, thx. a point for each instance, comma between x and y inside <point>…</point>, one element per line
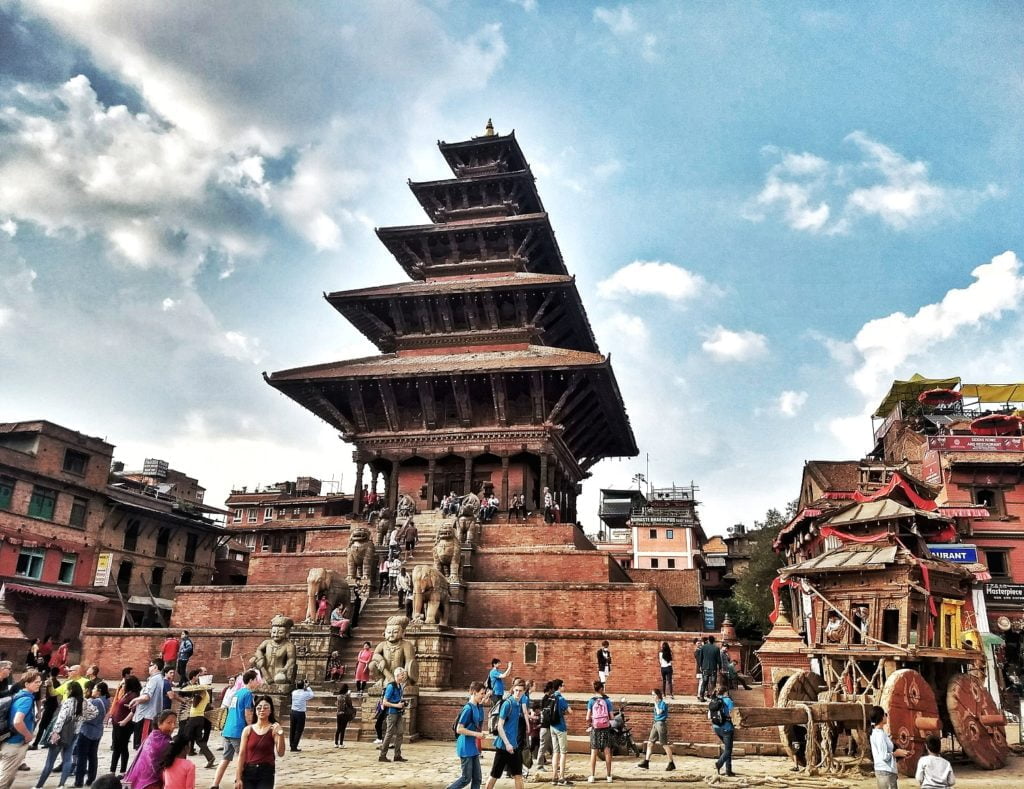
<point>292,568</point>
<point>537,563</point>
<point>196,606</point>
<point>518,535</point>
<point>435,646</point>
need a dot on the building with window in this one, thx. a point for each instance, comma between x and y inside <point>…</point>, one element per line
<point>79,544</point>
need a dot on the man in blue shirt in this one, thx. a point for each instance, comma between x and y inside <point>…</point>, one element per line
<point>720,713</point>
<point>241,713</point>
<point>297,723</point>
<point>394,727</point>
<point>497,678</point>
<point>471,736</point>
<point>506,743</point>
<point>22,722</point>
<point>559,736</point>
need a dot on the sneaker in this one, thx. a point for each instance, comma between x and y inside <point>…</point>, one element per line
<point>644,765</point>
<point>670,767</point>
<point>609,779</point>
<point>378,742</point>
<point>382,758</point>
<point>400,759</point>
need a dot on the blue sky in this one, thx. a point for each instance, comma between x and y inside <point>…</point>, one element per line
<point>772,210</point>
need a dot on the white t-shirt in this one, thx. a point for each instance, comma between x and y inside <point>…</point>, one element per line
<point>934,772</point>
<point>881,751</point>
<point>661,659</point>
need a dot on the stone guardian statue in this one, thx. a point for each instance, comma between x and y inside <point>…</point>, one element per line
<point>275,657</point>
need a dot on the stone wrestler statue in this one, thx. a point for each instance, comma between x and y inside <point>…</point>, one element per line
<point>394,651</point>
<point>275,657</point>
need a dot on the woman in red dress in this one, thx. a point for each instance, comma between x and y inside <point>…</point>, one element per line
<point>363,667</point>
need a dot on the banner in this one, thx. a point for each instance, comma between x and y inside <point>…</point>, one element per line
<point>1005,593</point>
<point>977,443</point>
<point>103,564</point>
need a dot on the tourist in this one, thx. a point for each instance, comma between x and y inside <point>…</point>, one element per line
<point>470,730</point>
<point>297,723</point>
<point>60,654</point>
<point>169,677</point>
<point>599,718</point>
<point>665,661</point>
<point>262,742</point>
<point>145,772</point>
<point>496,679</point>
<point>544,733</point>
<point>883,754</point>
<point>121,715</point>
<point>335,668</point>
<point>147,705</point>
<point>6,685</point>
<point>710,664</point>
<point>659,732</point>
<point>74,676</point>
<point>515,508</point>
<point>340,620</point>
<point>549,506</point>
<point>363,667</point>
<point>733,676</point>
<point>394,568</point>
<point>934,772</point>
<point>46,652</point>
<point>357,603</point>
<point>72,713</point>
<point>720,714</point>
<point>697,644</point>
<point>169,650</point>
<point>322,607</point>
<point>393,549</point>
<point>506,743</point>
<point>32,658</point>
<point>559,734</point>
<point>177,772</point>
<point>88,746</point>
<point>185,650</point>
<point>22,722</point>
<point>196,727</point>
<point>382,575</point>
<point>240,714</point>
<point>51,702</point>
<point>119,691</point>
<point>604,662</point>
<point>395,705</point>
<point>403,584</point>
<point>412,536</point>
<point>346,713</point>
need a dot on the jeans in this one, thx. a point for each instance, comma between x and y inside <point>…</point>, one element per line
<point>885,780</point>
<point>725,734</point>
<point>296,726</point>
<point>183,672</point>
<point>120,738</point>
<point>88,754</point>
<point>258,776</point>
<point>666,681</point>
<point>471,775</point>
<point>65,752</point>
<point>339,733</point>
<point>707,683</point>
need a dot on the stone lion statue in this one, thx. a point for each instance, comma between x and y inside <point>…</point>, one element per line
<point>430,595</point>
<point>448,554</point>
<point>469,508</point>
<point>385,523</point>
<point>361,557</point>
<point>406,506</point>
<point>321,580</point>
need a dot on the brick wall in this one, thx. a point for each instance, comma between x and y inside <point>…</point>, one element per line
<point>557,605</point>
<point>237,605</point>
<point>292,568</point>
<point>545,564</point>
<point>534,532</point>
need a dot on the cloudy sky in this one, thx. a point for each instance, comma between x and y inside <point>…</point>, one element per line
<point>772,210</point>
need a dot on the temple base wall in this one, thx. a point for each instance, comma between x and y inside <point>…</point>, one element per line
<point>561,563</point>
<point>292,568</point>
<point>195,606</point>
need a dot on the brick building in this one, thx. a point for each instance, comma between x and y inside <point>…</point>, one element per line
<point>79,543</point>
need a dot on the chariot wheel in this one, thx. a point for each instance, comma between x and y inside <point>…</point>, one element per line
<point>913,715</point>
<point>801,688</point>
<point>979,724</point>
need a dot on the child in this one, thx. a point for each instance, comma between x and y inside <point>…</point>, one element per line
<point>934,772</point>
<point>321,610</point>
<point>882,752</point>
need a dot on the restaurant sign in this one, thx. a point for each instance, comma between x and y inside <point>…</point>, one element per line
<point>1004,593</point>
<point>958,553</point>
<point>977,443</point>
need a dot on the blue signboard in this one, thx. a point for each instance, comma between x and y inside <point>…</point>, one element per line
<point>709,615</point>
<point>957,553</point>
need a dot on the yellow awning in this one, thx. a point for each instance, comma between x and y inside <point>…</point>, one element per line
<point>994,393</point>
<point>902,391</point>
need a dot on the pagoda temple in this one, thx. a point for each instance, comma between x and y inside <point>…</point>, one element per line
<point>489,375</point>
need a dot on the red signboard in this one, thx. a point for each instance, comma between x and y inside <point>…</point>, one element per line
<point>931,471</point>
<point>977,443</point>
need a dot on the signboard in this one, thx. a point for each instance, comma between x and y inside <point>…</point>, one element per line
<point>709,615</point>
<point>662,519</point>
<point>1005,593</point>
<point>931,470</point>
<point>977,443</point>
<point>958,553</point>
<point>103,564</point>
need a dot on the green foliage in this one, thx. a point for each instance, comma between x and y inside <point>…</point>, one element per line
<point>751,601</point>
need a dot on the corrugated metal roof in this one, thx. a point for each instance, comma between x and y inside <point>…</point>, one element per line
<point>883,509</point>
<point>844,559</point>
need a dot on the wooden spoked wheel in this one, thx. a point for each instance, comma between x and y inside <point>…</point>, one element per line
<point>801,688</point>
<point>913,715</point>
<point>977,721</point>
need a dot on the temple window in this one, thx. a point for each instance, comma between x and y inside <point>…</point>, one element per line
<point>163,539</point>
<point>225,648</point>
<point>860,616</point>
<point>891,626</point>
<point>989,498</point>
<point>998,563</point>
<point>530,652</point>
<point>914,636</point>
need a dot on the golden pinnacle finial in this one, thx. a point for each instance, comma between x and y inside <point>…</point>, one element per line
<point>489,129</point>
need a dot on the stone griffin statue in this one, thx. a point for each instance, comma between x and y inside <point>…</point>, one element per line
<point>469,507</point>
<point>320,581</point>
<point>430,596</point>
<point>406,506</point>
<point>360,559</point>
<point>385,523</point>
<point>394,651</point>
<point>275,657</point>
<point>448,554</point>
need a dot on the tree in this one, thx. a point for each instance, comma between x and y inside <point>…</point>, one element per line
<point>751,600</point>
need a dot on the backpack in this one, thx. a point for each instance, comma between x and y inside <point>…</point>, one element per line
<point>492,722</point>
<point>487,683</point>
<point>549,714</point>
<point>599,713</point>
<point>6,730</point>
<point>455,725</point>
<point>719,715</point>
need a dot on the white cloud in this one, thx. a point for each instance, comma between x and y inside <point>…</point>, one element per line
<point>629,327</point>
<point>608,168</point>
<point>725,345</point>
<point>243,348</point>
<point>790,403</point>
<point>527,5</point>
<point>653,278</point>
<point>10,227</point>
<point>168,304</point>
<point>618,20</point>
<point>814,195</point>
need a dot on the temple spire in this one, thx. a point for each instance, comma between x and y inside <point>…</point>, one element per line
<point>489,129</point>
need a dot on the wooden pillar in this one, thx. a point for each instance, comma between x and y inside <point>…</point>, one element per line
<point>504,483</point>
<point>392,492</point>
<point>373,479</point>
<point>431,465</point>
<point>469,476</point>
<point>357,502</point>
<point>542,482</point>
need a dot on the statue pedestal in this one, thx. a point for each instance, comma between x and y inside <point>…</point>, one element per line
<point>467,561</point>
<point>313,646</point>
<point>456,603</point>
<point>435,648</point>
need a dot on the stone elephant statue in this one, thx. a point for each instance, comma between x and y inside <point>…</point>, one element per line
<point>430,595</point>
<point>448,554</point>
<point>321,580</point>
<point>465,524</point>
<point>361,557</point>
